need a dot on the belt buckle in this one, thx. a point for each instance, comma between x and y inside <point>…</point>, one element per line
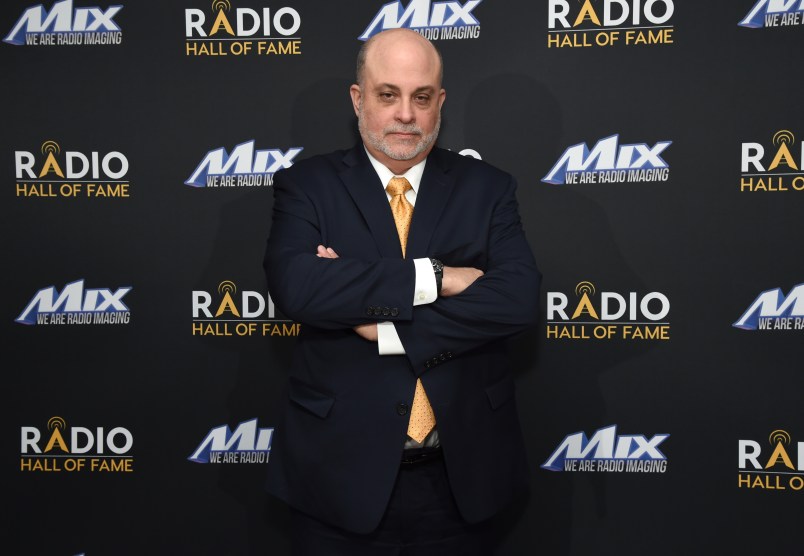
<point>420,456</point>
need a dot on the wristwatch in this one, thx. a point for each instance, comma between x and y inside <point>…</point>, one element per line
<point>438,270</point>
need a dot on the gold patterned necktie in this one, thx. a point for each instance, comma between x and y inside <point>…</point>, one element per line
<point>401,208</point>
<point>422,418</point>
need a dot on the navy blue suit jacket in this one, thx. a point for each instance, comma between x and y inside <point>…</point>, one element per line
<point>336,454</point>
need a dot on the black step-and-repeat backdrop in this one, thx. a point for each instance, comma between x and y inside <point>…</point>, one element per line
<point>659,150</point>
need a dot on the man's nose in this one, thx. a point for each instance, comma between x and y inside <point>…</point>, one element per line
<point>404,112</point>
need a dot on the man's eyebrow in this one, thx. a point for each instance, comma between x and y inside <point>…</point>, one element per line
<point>386,86</point>
<point>422,89</point>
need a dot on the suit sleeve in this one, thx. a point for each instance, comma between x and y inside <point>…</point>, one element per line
<point>501,303</point>
<point>328,293</point>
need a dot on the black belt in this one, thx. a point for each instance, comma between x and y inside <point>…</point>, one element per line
<point>420,455</point>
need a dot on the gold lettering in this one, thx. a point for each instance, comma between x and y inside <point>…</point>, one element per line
<point>56,438</point>
<point>227,305</point>
<point>585,306</point>
<point>783,153</point>
<point>221,21</point>
<point>779,453</point>
<point>587,10</point>
<point>50,163</point>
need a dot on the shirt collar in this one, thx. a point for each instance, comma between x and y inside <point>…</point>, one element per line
<point>414,175</point>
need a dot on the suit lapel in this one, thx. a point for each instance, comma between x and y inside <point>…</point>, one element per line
<point>367,192</point>
<point>431,200</point>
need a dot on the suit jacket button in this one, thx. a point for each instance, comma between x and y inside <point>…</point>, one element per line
<point>434,361</point>
<point>449,355</point>
<point>442,357</point>
<point>370,311</point>
<point>394,312</point>
<point>427,364</point>
<point>377,311</point>
<point>401,409</point>
<point>386,311</point>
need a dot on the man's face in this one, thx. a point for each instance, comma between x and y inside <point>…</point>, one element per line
<point>399,103</point>
<point>398,140</point>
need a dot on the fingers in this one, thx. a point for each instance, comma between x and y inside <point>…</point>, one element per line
<point>457,279</point>
<point>326,252</point>
<point>367,331</point>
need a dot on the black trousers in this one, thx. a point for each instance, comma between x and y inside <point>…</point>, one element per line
<point>421,520</point>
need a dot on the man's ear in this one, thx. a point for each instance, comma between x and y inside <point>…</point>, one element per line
<point>355,93</point>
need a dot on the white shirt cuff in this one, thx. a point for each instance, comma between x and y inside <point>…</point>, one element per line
<point>388,341</point>
<point>425,291</point>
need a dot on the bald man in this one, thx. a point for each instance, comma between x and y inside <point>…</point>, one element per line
<point>408,267</point>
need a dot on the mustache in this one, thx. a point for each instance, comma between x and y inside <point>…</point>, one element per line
<point>403,128</point>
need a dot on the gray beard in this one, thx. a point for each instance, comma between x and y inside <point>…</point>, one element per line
<point>402,153</point>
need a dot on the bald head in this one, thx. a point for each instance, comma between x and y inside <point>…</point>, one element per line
<point>397,39</point>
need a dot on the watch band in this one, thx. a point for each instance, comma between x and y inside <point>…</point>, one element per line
<point>438,270</point>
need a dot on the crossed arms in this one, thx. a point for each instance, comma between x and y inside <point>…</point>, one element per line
<point>311,284</point>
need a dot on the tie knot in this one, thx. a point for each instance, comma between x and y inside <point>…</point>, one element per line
<point>398,186</point>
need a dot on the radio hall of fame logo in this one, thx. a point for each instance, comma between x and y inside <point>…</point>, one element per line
<point>774,167</point>
<point>76,305</point>
<point>608,452</point>
<point>772,311</point>
<point>65,25</point>
<point>229,312</point>
<point>50,173</point>
<point>610,161</point>
<point>607,316</point>
<point>244,167</point>
<point>59,448</point>
<point>246,444</point>
<point>779,467</point>
<point>433,20</point>
<point>774,13</point>
<point>593,23</point>
<point>223,30</point>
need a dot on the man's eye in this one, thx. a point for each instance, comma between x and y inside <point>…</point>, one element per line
<point>422,99</point>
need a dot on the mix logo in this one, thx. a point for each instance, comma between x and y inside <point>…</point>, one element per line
<point>607,451</point>
<point>63,25</point>
<point>86,449</point>
<point>771,310</point>
<point>245,167</point>
<point>252,314</point>
<point>779,472</point>
<point>784,172</point>
<point>774,13</point>
<point>242,31</point>
<point>610,162</point>
<point>615,22</point>
<point>617,316</point>
<point>93,175</point>
<point>433,20</point>
<point>246,444</point>
<point>76,305</point>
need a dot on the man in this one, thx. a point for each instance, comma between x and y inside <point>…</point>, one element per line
<point>401,434</point>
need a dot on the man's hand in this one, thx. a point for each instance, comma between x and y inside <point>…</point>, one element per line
<point>365,331</point>
<point>456,279</point>
<point>326,252</point>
